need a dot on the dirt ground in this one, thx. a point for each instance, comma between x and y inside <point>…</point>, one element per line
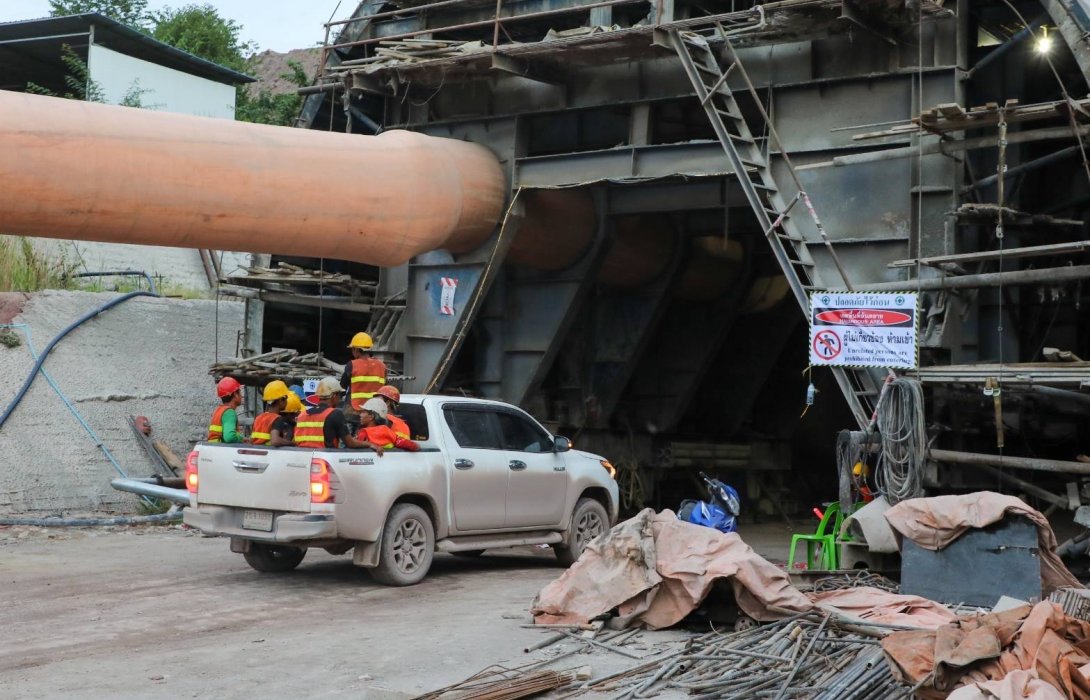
<point>166,613</point>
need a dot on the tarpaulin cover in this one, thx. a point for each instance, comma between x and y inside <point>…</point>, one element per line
<point>656,569</point>
<point>1017,685</point>
<point>1041,639</point>
<point>876,605</point>
<point>933,523</point>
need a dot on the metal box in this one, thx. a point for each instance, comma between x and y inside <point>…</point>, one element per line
<point>978,567</point>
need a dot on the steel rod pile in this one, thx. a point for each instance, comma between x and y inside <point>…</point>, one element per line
<point>505,684</point>
<point>804,656</point>
<point>863,578</point>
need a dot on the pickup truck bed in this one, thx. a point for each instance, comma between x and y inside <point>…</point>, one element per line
<point>487,476</point>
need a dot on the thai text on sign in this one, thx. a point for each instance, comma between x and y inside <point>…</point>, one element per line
<point>864,329</point>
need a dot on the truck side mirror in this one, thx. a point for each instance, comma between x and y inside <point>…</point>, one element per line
<point>561,444</point>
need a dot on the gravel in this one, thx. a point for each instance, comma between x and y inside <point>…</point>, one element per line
<point>145,357</point>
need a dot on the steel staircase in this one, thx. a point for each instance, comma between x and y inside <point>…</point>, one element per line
<point>777,211</point>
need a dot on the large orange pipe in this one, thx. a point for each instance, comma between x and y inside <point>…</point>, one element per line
<point>85,171</point>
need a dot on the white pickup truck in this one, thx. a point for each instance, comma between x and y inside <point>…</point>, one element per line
<point>487,475</point>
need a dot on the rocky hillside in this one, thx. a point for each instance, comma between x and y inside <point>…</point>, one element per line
<point>269,66</point>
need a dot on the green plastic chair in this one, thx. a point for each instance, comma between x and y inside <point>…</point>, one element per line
<point>824,537</point>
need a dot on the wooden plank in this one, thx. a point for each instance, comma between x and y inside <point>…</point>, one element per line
<point>1026,252</point>
<point>951,110</point>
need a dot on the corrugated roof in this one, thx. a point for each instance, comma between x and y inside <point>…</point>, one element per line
<point>24,38</point>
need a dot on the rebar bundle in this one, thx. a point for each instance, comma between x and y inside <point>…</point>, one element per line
<point>801,657</point>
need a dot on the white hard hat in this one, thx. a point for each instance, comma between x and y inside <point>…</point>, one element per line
<point>376,406</point>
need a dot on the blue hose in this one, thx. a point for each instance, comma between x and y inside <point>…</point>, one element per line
<point>53,343</point>
<point>94,522</point>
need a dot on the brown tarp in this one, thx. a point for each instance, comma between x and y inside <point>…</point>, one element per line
<point>656,569</point>
<point>876,605</point>
<point>933,523</point>
<point>1017,685</point>
<point>988,647</point>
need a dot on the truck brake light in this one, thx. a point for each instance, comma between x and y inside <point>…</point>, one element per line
<point>192,479</point>
<point>320,491</point>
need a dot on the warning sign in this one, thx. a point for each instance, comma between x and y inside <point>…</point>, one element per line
<point>446,295</point>
<point>864,329</point>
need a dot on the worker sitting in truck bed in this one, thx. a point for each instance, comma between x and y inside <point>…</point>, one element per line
<point>324,425</point>
<point>276,398</point>
<point>375,431</point>
<point>224,424</point>
<point>392,397</point>
<point>283,430</point>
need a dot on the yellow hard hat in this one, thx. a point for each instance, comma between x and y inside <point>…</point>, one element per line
<point>275,390</point>
<point>362,341</point>
<point>294,404</point>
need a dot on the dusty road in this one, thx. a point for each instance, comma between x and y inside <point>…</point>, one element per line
<point>169,614</point>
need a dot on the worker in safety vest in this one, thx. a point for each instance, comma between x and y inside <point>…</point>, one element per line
<point>324,425</point>
<point>283,430</point>
<point>392,397</point>
<point>224,424</point>
<point>376,432</point>
<point>276,398</point>
<point>364,374</point>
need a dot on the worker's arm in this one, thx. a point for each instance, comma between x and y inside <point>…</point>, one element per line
<point>230,426</point>
<point>278,434</point>
<point>346,376</point>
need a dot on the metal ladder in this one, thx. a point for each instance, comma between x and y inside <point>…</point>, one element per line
<point>773,208</point>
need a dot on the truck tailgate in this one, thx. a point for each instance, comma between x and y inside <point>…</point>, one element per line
<point>250,477</point>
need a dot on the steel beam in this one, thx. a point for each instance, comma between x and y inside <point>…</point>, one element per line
<point>1003,461</point>
<point>1046,276</point>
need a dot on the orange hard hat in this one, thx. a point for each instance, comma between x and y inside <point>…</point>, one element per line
<point>389,392</point>
<point>227,386</point>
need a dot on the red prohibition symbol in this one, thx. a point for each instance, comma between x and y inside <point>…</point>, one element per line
<point>827,345</point>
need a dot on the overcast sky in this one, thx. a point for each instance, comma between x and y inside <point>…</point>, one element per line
<point>280,25</point>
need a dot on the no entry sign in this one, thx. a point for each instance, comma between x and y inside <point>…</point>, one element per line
<point>864,329</point>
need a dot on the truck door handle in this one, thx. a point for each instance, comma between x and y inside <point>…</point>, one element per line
<point>251,467</point>
<point>516,465</point>
<point>463,464</point>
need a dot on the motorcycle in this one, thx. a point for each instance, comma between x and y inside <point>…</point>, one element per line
<point>721,513</point>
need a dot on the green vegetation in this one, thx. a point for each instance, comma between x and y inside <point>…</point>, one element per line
<point>268,107</point>
<point>200,30</point>
<point>24,269</point>
<point>9,338</point>
<point>131,12</point>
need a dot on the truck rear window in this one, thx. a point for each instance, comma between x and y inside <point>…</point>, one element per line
<point>417,418</point>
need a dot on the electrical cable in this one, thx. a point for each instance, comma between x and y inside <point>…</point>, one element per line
<point>59,337</point>
<point>899,475</point>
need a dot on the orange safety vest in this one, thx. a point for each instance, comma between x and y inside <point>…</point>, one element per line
<point>215,428</point>
<point>310,428</point>
<point>400,427</point>
<point>378,434</point>
<point>262,428</point>
<point>368,375</point>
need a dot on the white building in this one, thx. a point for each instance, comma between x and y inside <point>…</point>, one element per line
<point>122,61</point>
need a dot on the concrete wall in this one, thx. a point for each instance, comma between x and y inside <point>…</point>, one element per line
<point>145,357</point>
<point>166,89</point>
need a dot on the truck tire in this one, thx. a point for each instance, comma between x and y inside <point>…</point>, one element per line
<point>271,558</point>
<point>407,548</point>
<point>588,520</point>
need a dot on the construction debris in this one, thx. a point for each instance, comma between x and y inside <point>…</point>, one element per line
<point>285,275</point>
<point>287,365</point>
<point>803,656</point>
<point>507,684</point>
<point>1040,639</point>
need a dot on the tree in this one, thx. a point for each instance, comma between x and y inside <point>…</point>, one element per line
<point>131,12</point>
<point>200,30</point>
<point>77,80</point>
<point>268,107</point>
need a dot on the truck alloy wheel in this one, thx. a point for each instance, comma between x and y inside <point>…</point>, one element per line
<point>589,519</point>
<point>407,546</point>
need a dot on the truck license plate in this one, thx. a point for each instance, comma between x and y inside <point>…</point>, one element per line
<point>257,520</point>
